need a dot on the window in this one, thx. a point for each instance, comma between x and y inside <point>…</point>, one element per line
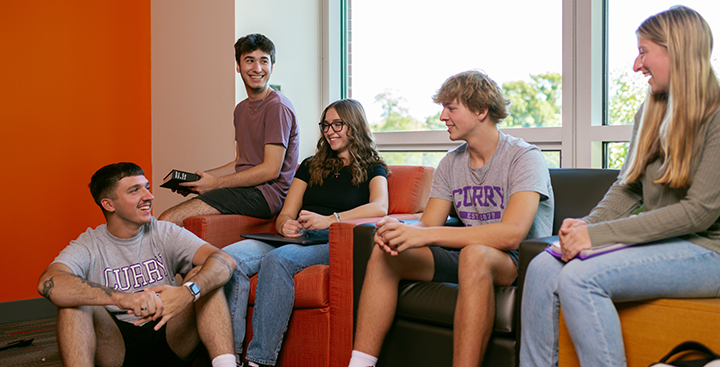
<point>413,158</point>
<point>396,63</point>
<point>615,153</point>
<point>399,62</point>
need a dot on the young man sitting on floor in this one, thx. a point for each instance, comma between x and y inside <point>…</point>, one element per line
<point>118,300</point>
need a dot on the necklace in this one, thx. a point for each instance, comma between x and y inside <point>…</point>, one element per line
<point>259,102</point>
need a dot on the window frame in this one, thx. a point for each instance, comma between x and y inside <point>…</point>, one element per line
<point>583,133</point>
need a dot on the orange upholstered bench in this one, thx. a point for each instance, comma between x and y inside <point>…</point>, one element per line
<point>652,328</point>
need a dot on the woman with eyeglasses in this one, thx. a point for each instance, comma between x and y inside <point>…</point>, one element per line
<point>673,169</point>
<point>345,179</point>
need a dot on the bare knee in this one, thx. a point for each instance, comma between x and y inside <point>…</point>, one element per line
<point>411,264</point>
<point>380,267</point>
<point>377,257</point>
<point>76,316</point>
<point>474,264</point>
<point>169,216</point>
<point>71,319</point>
<point>192,207</point>
<point>487,265</point>
<point>165,215</point>
<point>175,214</point>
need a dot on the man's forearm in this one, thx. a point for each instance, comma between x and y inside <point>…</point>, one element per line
<point>215,272</point>
<point>65,290</point>
<point>225,170</point>
<point>250,177</point>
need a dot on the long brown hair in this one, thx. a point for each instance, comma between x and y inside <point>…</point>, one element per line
<point>361,147</point>
<point>671,121</point>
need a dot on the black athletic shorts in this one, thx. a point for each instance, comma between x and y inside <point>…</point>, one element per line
<point>447,262</point>
<point>147,347</point>
<point>238,200</point>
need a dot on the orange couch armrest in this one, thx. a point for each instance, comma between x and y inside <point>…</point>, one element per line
<point>341,292</point>
<point>341,286</point>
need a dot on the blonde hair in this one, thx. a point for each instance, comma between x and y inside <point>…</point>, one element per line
<point>671,121</point>
<point>476,91</point>
<point>361,146</point>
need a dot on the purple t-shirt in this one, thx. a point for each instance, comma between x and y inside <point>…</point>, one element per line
<point>268,121</point>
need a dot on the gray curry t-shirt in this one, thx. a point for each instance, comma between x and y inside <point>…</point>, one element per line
<point>150,259</point>
<point>480,195</point>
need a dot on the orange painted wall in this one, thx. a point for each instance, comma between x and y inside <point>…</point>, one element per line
<point>74,96</point>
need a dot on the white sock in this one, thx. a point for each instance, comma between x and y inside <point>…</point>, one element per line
<point>360,359</point>
<point>224,360</point>
<point>253,364</point>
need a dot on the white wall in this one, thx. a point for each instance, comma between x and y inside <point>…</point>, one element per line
<point>295,28</point>
<point>193,77</point>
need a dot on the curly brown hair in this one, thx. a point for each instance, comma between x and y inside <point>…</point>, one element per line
<point>363,153</point>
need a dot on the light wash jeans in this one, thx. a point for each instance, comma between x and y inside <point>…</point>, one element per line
<point>275,292</point>
<point>586,289</point>
<point>247,255</point>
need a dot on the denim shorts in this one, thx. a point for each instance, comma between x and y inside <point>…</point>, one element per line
<point>238,200</point>
<point>447,262</point>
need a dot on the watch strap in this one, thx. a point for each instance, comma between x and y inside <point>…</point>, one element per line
<point>194,290</point>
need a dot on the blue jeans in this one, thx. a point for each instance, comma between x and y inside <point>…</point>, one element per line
<point>275,292</point>
<point>275,297</point>
<point>586,289</point>
<point>248,255</point>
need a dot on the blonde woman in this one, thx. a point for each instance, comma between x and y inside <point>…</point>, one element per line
<point>673,169</point>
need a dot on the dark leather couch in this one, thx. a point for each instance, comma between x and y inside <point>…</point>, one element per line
<point>422,332</point>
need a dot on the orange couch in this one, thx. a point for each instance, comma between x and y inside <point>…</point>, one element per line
<point>321,327</point>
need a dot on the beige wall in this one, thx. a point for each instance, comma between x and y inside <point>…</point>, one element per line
<point>295,28</point>
<point>194,80</point>
<point>192,89</point>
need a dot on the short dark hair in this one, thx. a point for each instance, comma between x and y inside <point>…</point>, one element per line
<point>104,181</point>
<point>252,42</point>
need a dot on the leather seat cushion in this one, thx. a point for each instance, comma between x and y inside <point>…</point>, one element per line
<point>434,303</point>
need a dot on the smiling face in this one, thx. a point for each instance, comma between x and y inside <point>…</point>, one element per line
<point>653,61</point>
<point>255,69</point>
<point>129,207</point>
<point>338,141</point>
<point>459,119</point>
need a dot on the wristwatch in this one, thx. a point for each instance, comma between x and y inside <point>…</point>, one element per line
<point>194,289</point>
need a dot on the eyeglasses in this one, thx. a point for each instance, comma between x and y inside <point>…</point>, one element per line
<point>337,126</point>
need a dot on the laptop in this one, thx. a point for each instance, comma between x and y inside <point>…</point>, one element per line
<point>307,238</point>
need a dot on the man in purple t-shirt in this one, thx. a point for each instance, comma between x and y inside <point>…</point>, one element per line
<point>266,141</point>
